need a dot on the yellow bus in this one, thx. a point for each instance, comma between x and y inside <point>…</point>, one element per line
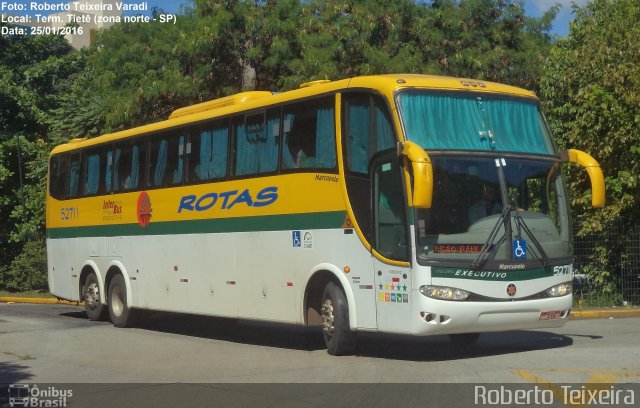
<point>408,204</point>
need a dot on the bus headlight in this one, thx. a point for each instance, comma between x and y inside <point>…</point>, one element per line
<point>444,292</point>
<point>560,290</point>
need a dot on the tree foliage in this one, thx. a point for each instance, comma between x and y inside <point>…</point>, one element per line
<point>28,270</point>
<point>289,42</point>
<point>34,71</point>
<point>591,85</point>
<point>137,73</point>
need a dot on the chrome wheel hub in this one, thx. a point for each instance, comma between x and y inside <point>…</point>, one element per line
<point>328,319</point>
<point>92,295</point>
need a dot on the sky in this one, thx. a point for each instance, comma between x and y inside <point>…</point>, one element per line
<point>535,8</point>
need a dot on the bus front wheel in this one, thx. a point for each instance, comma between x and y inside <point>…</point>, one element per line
<point>93,306</point>
<point>119,311</point>
<point>338,337</point>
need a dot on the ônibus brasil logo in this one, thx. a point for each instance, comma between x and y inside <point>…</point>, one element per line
<point>144,209</point>
<point>25,395</point>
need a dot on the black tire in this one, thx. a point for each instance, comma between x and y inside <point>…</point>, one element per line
<point>334,310</point>
<point>119,311</point>
<point>93,306</point>
<point>464,339</point>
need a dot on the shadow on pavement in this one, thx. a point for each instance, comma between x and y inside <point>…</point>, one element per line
<point>374,345</point>
<point>439,348</point>
<point>234,330</point>
<point>11,373</point>
<point>77,315</point>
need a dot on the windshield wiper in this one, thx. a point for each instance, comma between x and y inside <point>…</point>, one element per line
<point>489,248</point>
<point>542,255</point>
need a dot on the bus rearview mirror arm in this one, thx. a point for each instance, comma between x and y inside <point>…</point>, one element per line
<point>422,193</point>
<point>593,170</point>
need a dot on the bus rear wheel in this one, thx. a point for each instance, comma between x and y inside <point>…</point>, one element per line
<point>334,310</point>
<point>119,311</point>
<point>93,306</point>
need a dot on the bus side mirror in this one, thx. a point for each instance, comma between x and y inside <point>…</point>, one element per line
<point>593,170</point>
<point>422,194</point>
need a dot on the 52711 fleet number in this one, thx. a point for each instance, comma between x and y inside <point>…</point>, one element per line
<point>68,213</point>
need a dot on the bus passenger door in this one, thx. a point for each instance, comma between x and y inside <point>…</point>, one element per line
<point>390,244</point>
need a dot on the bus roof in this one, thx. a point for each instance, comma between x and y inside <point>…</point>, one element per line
<point>246,101</point>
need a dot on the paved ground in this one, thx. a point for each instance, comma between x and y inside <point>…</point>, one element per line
<point>57,344</point>
<point>579,313</point>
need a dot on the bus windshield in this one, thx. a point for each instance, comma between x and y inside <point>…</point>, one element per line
<point>468,204</point>
<point>474,121</point>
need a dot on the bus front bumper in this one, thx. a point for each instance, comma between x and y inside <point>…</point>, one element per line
<point>431,316</point>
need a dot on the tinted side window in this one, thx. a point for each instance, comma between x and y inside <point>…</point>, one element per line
<point>57,172</point>
<point>128,164</point>
<point>166,162</point>
<point>389,211</point>
<point>257,144</point>
<point>367,130</point>
<point>309,135</point>
<point>207,151</point>
<point>73,181</point>
<point>97,171</point>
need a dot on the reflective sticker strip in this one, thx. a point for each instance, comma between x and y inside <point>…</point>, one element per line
<point>278,222</point>
<point>506,275</point>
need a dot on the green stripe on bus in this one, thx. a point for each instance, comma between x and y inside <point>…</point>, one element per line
<point>325,220</point>
<point>461,273</point>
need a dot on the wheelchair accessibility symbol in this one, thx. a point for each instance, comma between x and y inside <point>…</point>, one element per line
<point>519,249</point>
<point>295,237</point>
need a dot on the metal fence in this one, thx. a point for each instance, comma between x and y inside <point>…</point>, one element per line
<point>622,245</point>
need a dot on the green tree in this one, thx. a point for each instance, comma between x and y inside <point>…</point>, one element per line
<point>21,104</point>
<point>591,89</point>
<point>28,271</point>
<point>487,39</point>
<point>329,39</point>
<point>33,70</point>
<point>138,72</point>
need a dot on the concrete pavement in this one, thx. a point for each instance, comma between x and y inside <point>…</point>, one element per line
<point>576,313</point>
